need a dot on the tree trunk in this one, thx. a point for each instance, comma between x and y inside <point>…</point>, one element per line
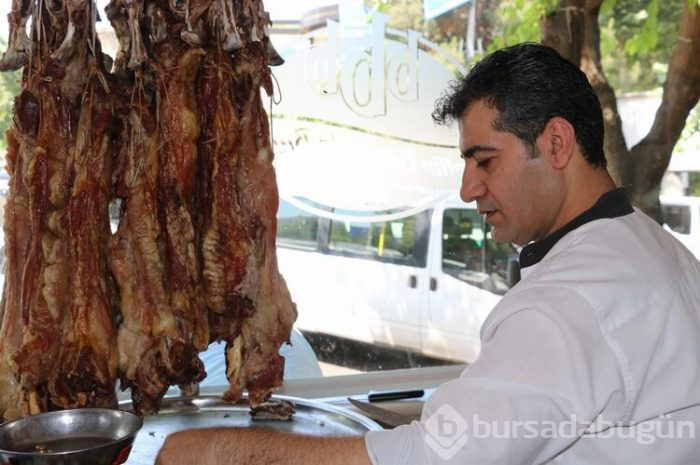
<point>681,92</point>
<point>573,30</point>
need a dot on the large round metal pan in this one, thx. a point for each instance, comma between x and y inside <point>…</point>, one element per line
<point>181,413</point>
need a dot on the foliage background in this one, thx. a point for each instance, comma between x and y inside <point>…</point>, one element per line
<point>9,87</point>
<point>637,38</point>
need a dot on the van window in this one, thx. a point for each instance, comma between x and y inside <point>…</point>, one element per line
<point>470,254</point>
<point>463,241</point>
<point>677,217</point>
<point>391,241</point>
<point>296,228</point>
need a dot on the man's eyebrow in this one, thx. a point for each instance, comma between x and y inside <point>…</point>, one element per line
<point>471,151</point>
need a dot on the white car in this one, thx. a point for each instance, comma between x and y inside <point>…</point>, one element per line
<point>424,283</point>
<point>682,219</point>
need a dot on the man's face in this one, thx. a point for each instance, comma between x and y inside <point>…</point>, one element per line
<point>519,194</point>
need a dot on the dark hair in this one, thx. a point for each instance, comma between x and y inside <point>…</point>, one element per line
<point>529,84</point>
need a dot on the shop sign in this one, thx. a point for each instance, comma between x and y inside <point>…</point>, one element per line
<point>352,126</point>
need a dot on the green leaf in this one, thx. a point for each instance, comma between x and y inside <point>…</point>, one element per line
<point>647,38</point>
<point>608,6</point>
<point>9,87</point>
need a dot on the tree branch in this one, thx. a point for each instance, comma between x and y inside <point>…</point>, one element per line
<point>577,22</point>
<point>681,93</point>
<point>564,29</point>
<point>614,145</point>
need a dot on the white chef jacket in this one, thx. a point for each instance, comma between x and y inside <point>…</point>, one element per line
<point>596,352</point>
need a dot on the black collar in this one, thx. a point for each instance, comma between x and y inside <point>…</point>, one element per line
<point>610,205</point>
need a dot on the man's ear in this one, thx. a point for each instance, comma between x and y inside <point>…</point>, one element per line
<point>558,142</point>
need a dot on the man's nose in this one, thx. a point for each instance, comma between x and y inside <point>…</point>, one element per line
<point>473,186</point>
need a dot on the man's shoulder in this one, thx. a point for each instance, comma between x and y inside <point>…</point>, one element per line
<point>614,251</point>
<point>613,270</point>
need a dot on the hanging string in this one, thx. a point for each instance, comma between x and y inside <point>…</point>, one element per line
<point>278,88</point>
<point>93,25</point>
<point>275,83</point>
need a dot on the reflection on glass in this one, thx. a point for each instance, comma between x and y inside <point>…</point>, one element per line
<point>470,254</point>
<point>394,240</point>
<point>295,227</point>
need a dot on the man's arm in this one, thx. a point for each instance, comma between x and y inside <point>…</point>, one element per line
<point>254,446</point>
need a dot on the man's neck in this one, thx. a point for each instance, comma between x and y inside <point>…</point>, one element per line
<point>583,191</point>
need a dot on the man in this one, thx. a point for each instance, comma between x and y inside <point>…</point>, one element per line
<point>593,358</point>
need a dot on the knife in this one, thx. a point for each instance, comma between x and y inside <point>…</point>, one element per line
<point>382,415</point>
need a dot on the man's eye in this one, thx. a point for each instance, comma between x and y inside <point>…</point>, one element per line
<point>483,163</point>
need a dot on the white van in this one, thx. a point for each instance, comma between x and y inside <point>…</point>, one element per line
<point>424,283</point>
<point>682,218</point>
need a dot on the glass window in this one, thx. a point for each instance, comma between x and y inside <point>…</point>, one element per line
<point>295,227</point>
<point>353,138</point>
<point>470,254</point>
<point>393,241</point>
<point>463,241</point>
<point>677,217</point>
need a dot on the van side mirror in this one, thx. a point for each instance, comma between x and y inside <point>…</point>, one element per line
<point>513,271</point>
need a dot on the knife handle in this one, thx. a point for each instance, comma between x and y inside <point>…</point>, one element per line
<point>395,395</point>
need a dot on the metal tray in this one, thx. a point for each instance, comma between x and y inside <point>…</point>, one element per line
<point>180,413</point>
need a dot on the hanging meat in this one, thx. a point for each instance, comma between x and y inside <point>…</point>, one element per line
<point>87,362</point>
<point>17,53</point>
<point>177,133</point>
<point>21,146</point>
<point>249,304</point>
<point>216,191</point>
<point>60,349</point>
<point>164,324</point>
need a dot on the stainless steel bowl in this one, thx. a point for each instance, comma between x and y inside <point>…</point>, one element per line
<point>82,436</point>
